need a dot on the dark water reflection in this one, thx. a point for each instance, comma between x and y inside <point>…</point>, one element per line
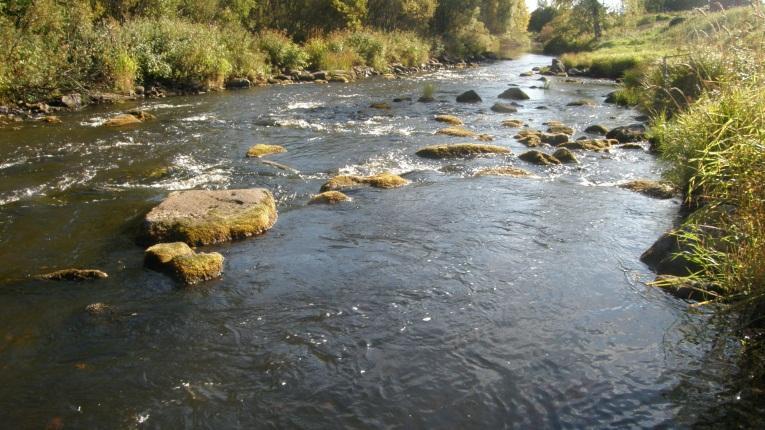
<point>455,302</point>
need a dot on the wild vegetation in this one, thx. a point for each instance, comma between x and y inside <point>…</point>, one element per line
<point>700,74</point>
<point>51,47</point>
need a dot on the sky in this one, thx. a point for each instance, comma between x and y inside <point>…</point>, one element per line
<point>532,4</point>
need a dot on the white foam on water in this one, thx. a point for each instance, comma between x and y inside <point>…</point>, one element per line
<point>96,121</point>
<point>200,118</point>
<point>193,173</point>
<point>24,193</point>
<point>304,105</point>
<point>391,162</point>
<point>12,163</point>
<point>301,124</point>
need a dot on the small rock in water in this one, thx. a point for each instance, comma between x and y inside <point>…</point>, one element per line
<point>380,105</point>
<point>514,93</point>
<point>565,156</point>
<point>469,97</point>
<point>503,171</point>
<point>329,197</point>
<point>380,180</point>
<point>456,132</point>
<point>512,123</point>
<point>504,108</point>
<point>96,309</point>
<point>261,150</point>
<point>160,255</point>
<point>75,275</point>
<point>655,189</point>
<point>196,268</point>
<point>581,103</point>
<point>628,134</point>
<point>554,139</point>
<point>560,129</point>
<point>540,158</point>
<point>460,150</point>
<point>596,129</point>
<point>449,119</point>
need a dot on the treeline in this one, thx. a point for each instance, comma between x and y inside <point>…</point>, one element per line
<point>51,45</point>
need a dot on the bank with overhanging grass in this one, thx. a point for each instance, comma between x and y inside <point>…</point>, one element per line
<point>701,78</point>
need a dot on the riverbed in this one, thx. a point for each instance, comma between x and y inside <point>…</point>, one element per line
<point>458,301</point>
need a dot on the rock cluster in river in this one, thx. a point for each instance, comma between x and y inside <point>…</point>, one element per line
<point>460,150</point>
<point>380,180</point>
<point>182,262</point>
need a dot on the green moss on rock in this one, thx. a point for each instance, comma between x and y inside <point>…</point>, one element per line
<point>597,145</point>
<point>160,255</point>
<point>456,132</point>
<point>565,156</point>
<point>200,217</point>
<point>195,268</point>
<point>655,189</point>
<point>449,119</point>
<point>460,150</point>
<point>503,171</point>
<point>261,150</point>
<point>540,158</point>
<point>380,180</point>
<point>75,275</point>
<point>329,197</point>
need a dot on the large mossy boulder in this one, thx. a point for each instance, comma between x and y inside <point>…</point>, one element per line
<point>460,150</point>
<point>469,97</point>
<point>539,158</point>
<point>628,133</point>
<point>514,93</point>
<point>557,128</point>
<point>261,150</point>
<point>381,180</point>
<point>655,189</point>
<point>201,217</point>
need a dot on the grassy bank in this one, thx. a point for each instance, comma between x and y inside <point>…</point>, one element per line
<point>52,48</point>
<point>701,77</point>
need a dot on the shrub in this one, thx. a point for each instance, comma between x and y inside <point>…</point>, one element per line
<point>282,53</point>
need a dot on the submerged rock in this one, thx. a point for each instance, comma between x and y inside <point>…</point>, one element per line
<point>504,108</point>
<point>581,102</point>
<point>565,156</point>
<point>684,288</point>
<point>503,171</point>
<point>122,120</point>
<point>195,268</point>
<point>261,150</point>
<point>631,146</point>
<point>512,123</point>
<point>449,119</point>
<point>380,180</point>
<point>514,93</point>
<point>456,132</point>
<point>75,275</point>
<point>98,309</point>
<point>596,145</point>
<point>52,119</point>
<point>596,129</point>
<point>627,134</point>
<point>329,197</point>
<point>380,105</point>
<point>667,256</point>
<point>540,158</point>
<point>554,138</point>
<point>200,217</point>
<point>532,140</point>
<point>460,150</point>
<point>469,97</point>
<point>655,189</point>
<point>560,129</point>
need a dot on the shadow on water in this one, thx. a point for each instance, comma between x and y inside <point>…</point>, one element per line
<point>458,301</point>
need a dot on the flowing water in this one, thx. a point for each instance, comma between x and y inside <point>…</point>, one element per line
<point>458,301</point>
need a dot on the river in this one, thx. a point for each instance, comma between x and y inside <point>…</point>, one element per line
<point>458,301</point>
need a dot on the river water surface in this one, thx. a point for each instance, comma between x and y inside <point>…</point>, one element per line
<point>458,301</point>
